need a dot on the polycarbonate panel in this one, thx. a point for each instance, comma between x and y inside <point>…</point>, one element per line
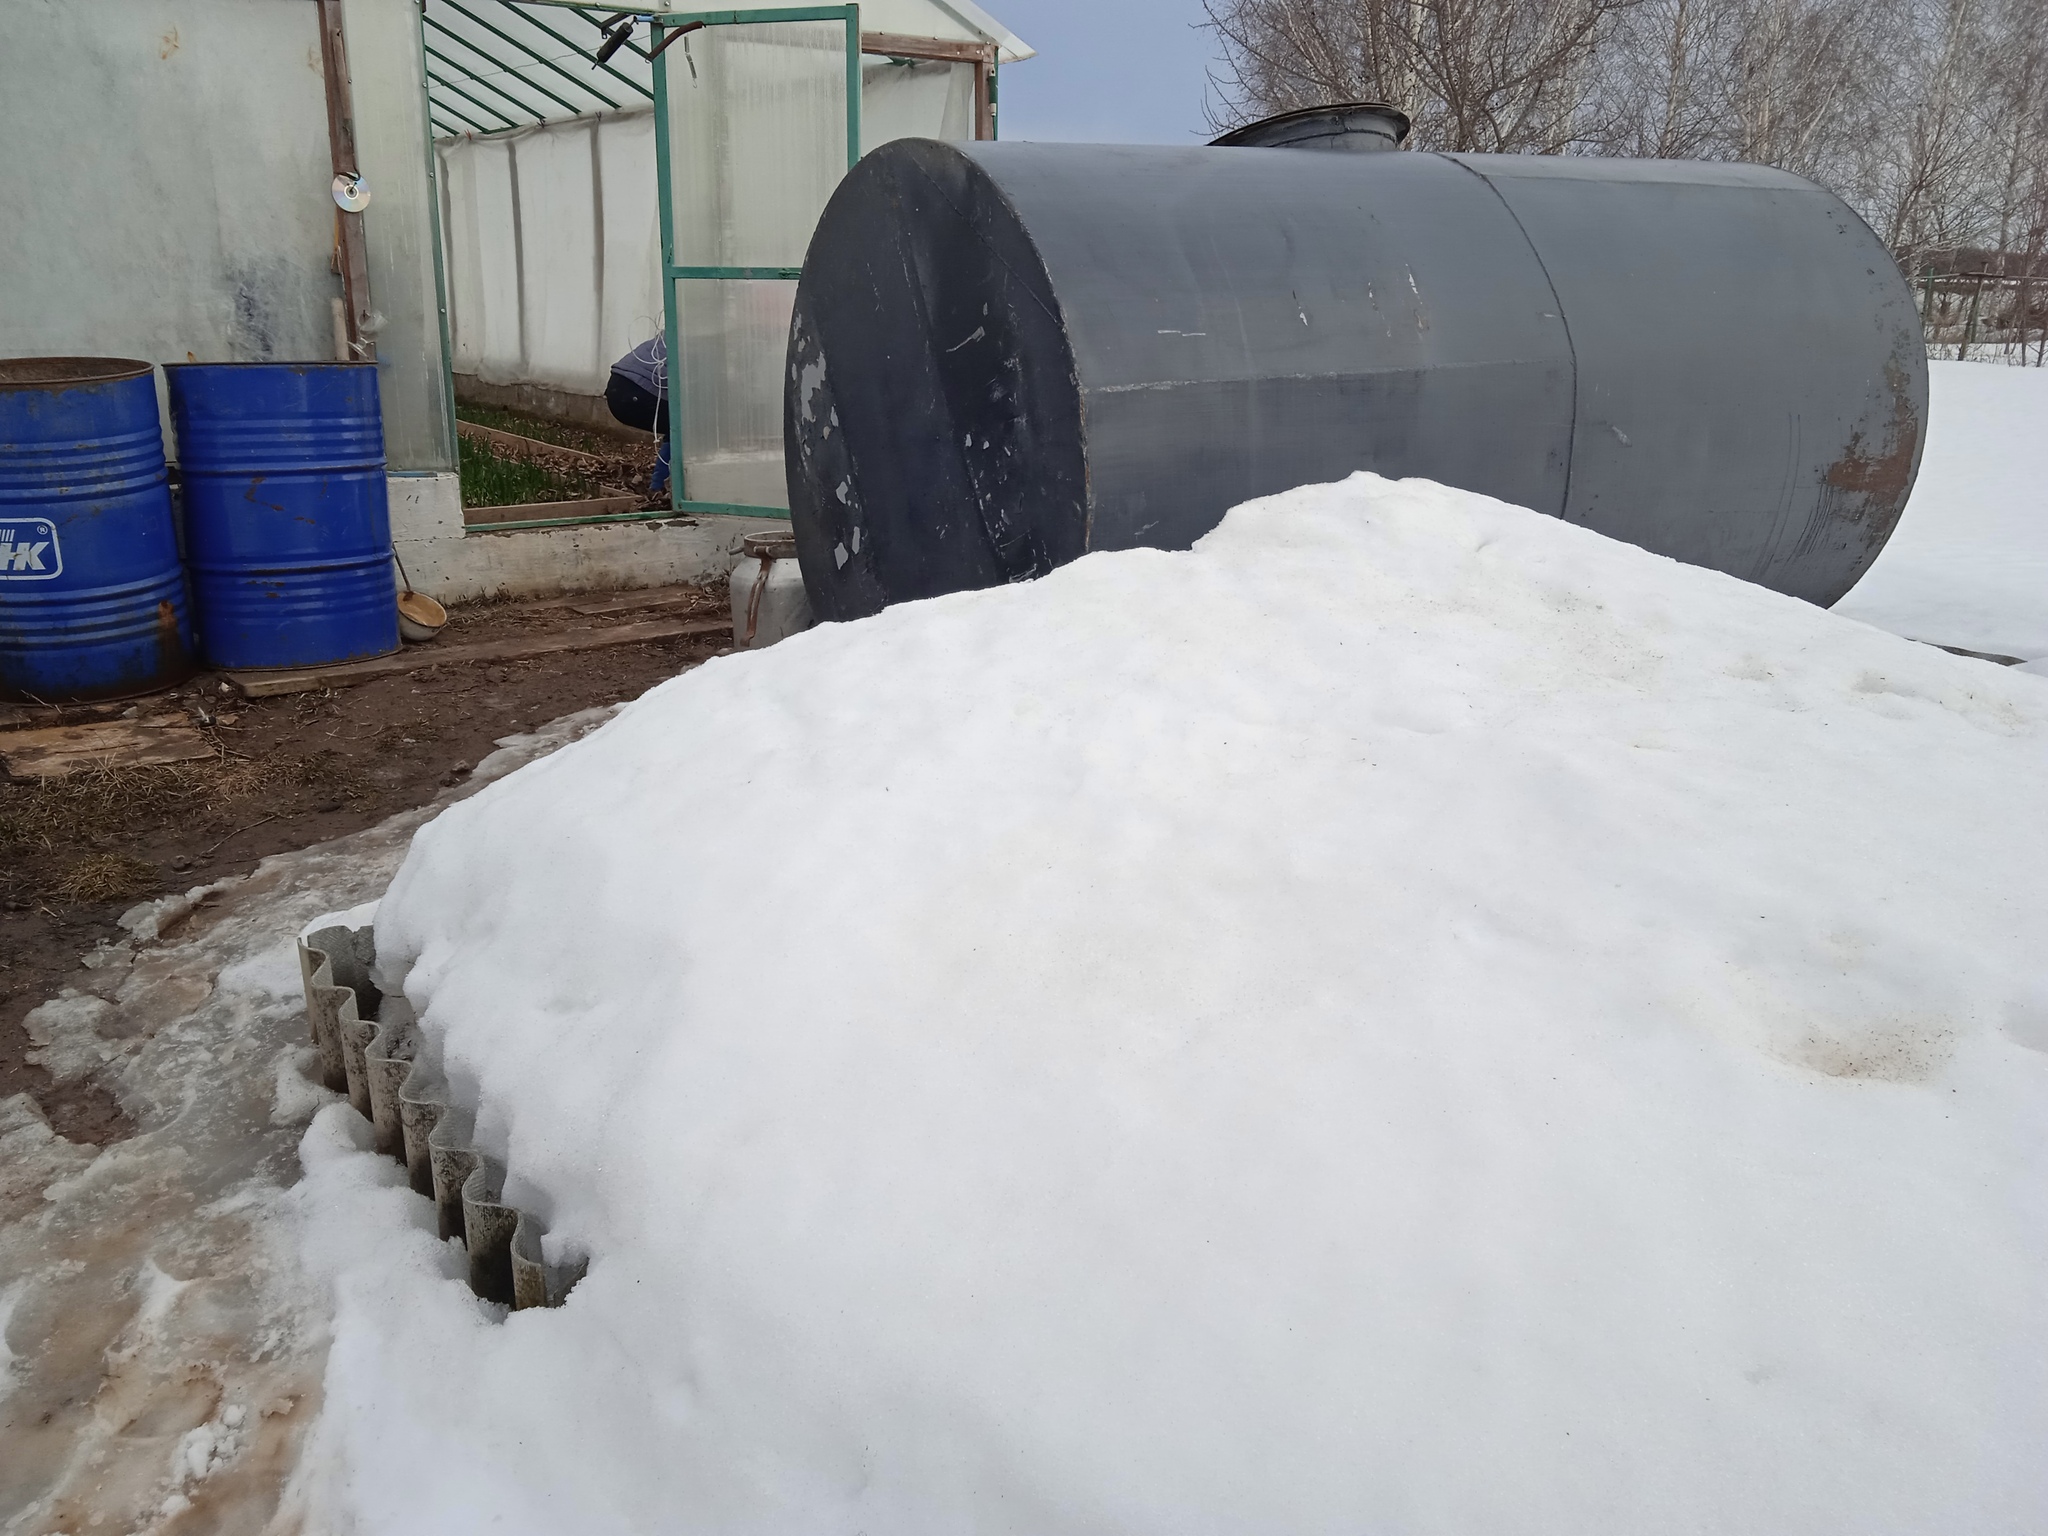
<point>914,99</point>
<point>629,276</point>
<point>398,230</point>
<point>757,131</point>
<point>554,285</point>
<point>558,247</point>
<point>734,340</point>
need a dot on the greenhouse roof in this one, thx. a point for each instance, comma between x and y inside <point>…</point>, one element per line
<point>499,64</point>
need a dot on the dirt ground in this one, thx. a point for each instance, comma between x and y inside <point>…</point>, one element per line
<point>288,772</point>
<point>169,1343</point>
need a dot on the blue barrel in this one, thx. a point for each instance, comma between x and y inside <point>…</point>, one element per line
<point>287,529</point>
<point>92,598</point>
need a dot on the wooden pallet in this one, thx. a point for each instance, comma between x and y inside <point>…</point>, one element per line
<point>52,751</point>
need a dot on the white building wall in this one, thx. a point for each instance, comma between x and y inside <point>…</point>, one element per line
<point>164,179</point>
<point>164,172</point>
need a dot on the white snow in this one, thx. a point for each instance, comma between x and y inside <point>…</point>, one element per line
<point>157,1324</point>
<point>146,921</point>
<point>1968,565</point>
<point>361,915</point>
<point>1411,1016</point>
<point>64,1031</point>
<point>10,1297</point>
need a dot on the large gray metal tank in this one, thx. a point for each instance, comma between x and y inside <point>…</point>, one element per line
<point>1005,355</point>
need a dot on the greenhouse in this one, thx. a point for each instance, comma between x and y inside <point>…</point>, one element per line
<point>604,179</point>
<point>494,201</point>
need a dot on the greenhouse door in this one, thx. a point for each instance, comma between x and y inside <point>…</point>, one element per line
<point>757,116</point>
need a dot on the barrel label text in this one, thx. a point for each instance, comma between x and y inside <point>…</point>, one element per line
<point>28,550</point>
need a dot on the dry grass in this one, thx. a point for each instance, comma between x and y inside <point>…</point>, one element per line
<point>96,803</point>
<point>107,877</point>
<point>100,805</point>
<point>103,803</point>
<point>58,837</point>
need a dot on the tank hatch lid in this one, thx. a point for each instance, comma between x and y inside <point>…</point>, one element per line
<point>1354,127</point>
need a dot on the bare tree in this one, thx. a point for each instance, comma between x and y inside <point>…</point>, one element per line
<point>1802,73</point>
<point>1489,75</point>
<point>2018,79</point>
<point>1929,190</point>
<point>2019,91</point>
<point>1668,80</point>
<point>1930,117</point>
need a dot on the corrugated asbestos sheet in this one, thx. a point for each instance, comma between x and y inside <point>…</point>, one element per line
<point>371,1049</point>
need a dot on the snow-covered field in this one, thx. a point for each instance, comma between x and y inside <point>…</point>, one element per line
<point>1968,565</point>
<point>1411,1016</point>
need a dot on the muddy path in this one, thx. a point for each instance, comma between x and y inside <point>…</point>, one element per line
<point>287,772</point>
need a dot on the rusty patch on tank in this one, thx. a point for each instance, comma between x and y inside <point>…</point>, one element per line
<point>174,660</point>
<point>1886,475</point>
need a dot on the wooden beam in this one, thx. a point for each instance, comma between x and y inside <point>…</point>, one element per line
<point>263,685</point>
<point>626,602</point>
<point>898,45</point>
<point>36,716</point>
<point>536,511</point>
<point>352,254</point>
<point>57,750</point>
<point>596,602</point>
<point>982,56</point>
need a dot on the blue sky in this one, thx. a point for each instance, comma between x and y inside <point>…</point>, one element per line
<point>1108,71</point>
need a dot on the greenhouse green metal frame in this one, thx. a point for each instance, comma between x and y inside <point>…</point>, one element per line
<point>464,98</point>
<point>504,57</point>
<point>849,15</point>
<point>481,78</point>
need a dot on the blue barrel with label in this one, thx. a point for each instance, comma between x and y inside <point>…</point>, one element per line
<point>92,598</point>
<point>287,527</point>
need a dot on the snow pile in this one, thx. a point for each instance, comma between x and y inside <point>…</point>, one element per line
<point>1411,1016</point>
<point>1968,565</point>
